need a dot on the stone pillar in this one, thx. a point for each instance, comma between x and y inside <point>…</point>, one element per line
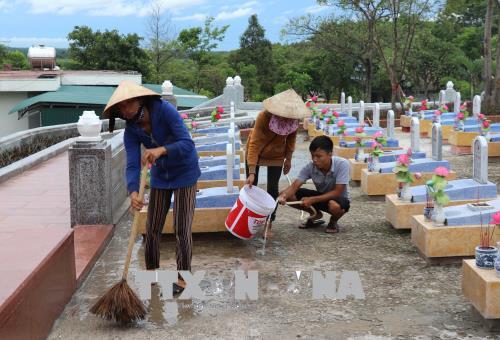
<point>415,134</point>
<point>457,103</point>
<point>349,106</point>
<point>229,93</point>
<point>442,97</point>
<point>240,92</point>
<point>342,102</point>
<point>437,142</point>
<point>390,124</point>
<point>167,93</point>
<point>376,115</point>
<point>361,113</point>
<point>230,165</point>
<point>476,106</point>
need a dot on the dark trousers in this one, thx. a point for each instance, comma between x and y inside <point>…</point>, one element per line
<point>159,204</point>
<point>273,180</point>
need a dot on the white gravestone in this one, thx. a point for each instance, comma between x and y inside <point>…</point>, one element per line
<point>230,165</point>
<point>361,112</point>
<point>232,114</point>
<point>450,93</point>
<point>442,97</point>
<point>457,103</point>
<point>390,124</point>
<point>415,134</point>
<point>349,106</point>
<point>376,115</point>
<point>231,139</point>
<point>480,160</point>
<point>342,102</point>
<point>437,142</point>
<point>476,106</point>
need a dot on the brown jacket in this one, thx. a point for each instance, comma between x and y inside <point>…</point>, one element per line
<point>267,148</point>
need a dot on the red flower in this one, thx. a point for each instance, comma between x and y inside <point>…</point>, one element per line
<point>218,116</point>
<point>220,109</point>
<point>308,104</point>
<point>314,98</point>
<point>486,124</point>
<point>336,114</point>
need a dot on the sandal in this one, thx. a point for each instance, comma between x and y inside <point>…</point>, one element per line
<point>178,287</point>
<point>332,229</point>
<point>311,224</point>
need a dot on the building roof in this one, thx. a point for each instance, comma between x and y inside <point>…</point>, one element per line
<point>98,95</point>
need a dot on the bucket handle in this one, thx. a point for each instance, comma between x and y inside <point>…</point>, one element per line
<point>298,202</point>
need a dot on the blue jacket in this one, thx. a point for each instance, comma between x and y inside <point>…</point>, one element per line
<point>179,167</point>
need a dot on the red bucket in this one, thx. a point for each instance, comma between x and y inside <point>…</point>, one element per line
<point>249,213</point>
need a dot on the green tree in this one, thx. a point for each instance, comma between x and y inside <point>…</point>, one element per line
<point>108,50</point>
<point>256,50</point>
<point>17,59</point>
<point>198,42</point>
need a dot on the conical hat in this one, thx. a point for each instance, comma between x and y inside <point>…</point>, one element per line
<point>287,104</point>
<point>126,90</point>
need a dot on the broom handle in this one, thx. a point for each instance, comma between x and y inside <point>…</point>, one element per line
<point>300,202</point>
<point>135,223</point>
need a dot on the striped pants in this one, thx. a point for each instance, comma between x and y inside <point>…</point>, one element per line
<point>159,204</point>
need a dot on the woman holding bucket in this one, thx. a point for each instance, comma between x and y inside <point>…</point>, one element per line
<point>272,141</point>
<point>155,124</point>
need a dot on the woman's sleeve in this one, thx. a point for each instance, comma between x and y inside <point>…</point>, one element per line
<point>183,144</point>
<point>133,151</point>
<point>258,139</point>
<point>290,145</point>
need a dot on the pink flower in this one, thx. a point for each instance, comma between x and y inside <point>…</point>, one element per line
<point>480,116</point>
<point>460,116</point>
<point>184,116</point>
<point>409,152</point>
<point>404,159</point>
<point>327,120</point>
<point>218,116</point>
<point>374,144</point>
<point>341,123</point>
<point>411,98</point>
<point>220,109</point>
<point>441,171</point>
<point>359,129</point>
<point>445,107</point>
<point>336,114</point>
<point>308,104</point>
<point>314,98</point>
<point>150,165</point>
<point>437,113</point>
<point>496,218</point>
<point>377,134</point>
<point>418,175</point>
<point>424,102</point>
<point>462,107</point>
<point>345,133</point>
<point>194,124</point>
<point>486,124</point>
<point>324,111</point>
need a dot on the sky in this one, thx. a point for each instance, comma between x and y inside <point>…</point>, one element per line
<point>24,23</point>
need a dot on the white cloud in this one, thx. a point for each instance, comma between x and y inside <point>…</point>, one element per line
<point>194,17</point>
<point>5,5</point>
<point>315,9</point>
<point>29,41</point>
<point>240,12</point>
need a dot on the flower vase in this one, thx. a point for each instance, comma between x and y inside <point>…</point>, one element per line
<point>439,216</point>
<point>486,257</point>
<point>497,260</point>
<point>376,164</point>
<point>330,130</point>
<point>213,125</point>
<point>321,125</point>
<point>406,192</point>
<point>360,154</point>
<point>460,125</point>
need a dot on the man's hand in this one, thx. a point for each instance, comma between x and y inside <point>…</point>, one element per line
<point>282,198</point>
<point>135,203</point>
<point>250,180</point>
<point>307,202</point>
<point>287,166</point>
<point>151,155</point>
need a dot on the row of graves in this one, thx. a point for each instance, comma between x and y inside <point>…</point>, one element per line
<point>450,219</point>
<point>222,165</point>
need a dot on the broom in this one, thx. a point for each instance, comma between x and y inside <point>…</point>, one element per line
<point>120,303</point>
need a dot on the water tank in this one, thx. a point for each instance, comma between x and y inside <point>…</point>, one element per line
<point>42,57</point>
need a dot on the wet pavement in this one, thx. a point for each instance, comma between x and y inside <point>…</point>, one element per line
<point>404,297</point>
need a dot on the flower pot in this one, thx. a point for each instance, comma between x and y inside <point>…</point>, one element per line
<point>497,260</point>
<point>439,216</point>
<point>360,154</point>
<point>485,257</point>
<point>330,130</point>
<point>406,192</point>
<point>89,126</point>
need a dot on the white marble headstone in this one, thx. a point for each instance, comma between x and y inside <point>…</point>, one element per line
<point>480,160</point>
<point>376,115</point>
<point>361,112</point>
<point>457,102</point>
<point>442,97</point>
<point>230,165</point>
<point>349,106</point>
<point>450,93</point>
<point>415,134</point>
<point>390,124</point>
<point>342,102</point>
<point>437,142</point>
<point>476,106</point>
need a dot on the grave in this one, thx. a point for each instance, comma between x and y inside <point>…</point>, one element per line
<point>460,191</point>
<point>459,235</point>
<point>384,181</point>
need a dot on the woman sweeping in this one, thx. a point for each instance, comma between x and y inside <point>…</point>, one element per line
<point>157,126</point>
<point>272,141</point>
